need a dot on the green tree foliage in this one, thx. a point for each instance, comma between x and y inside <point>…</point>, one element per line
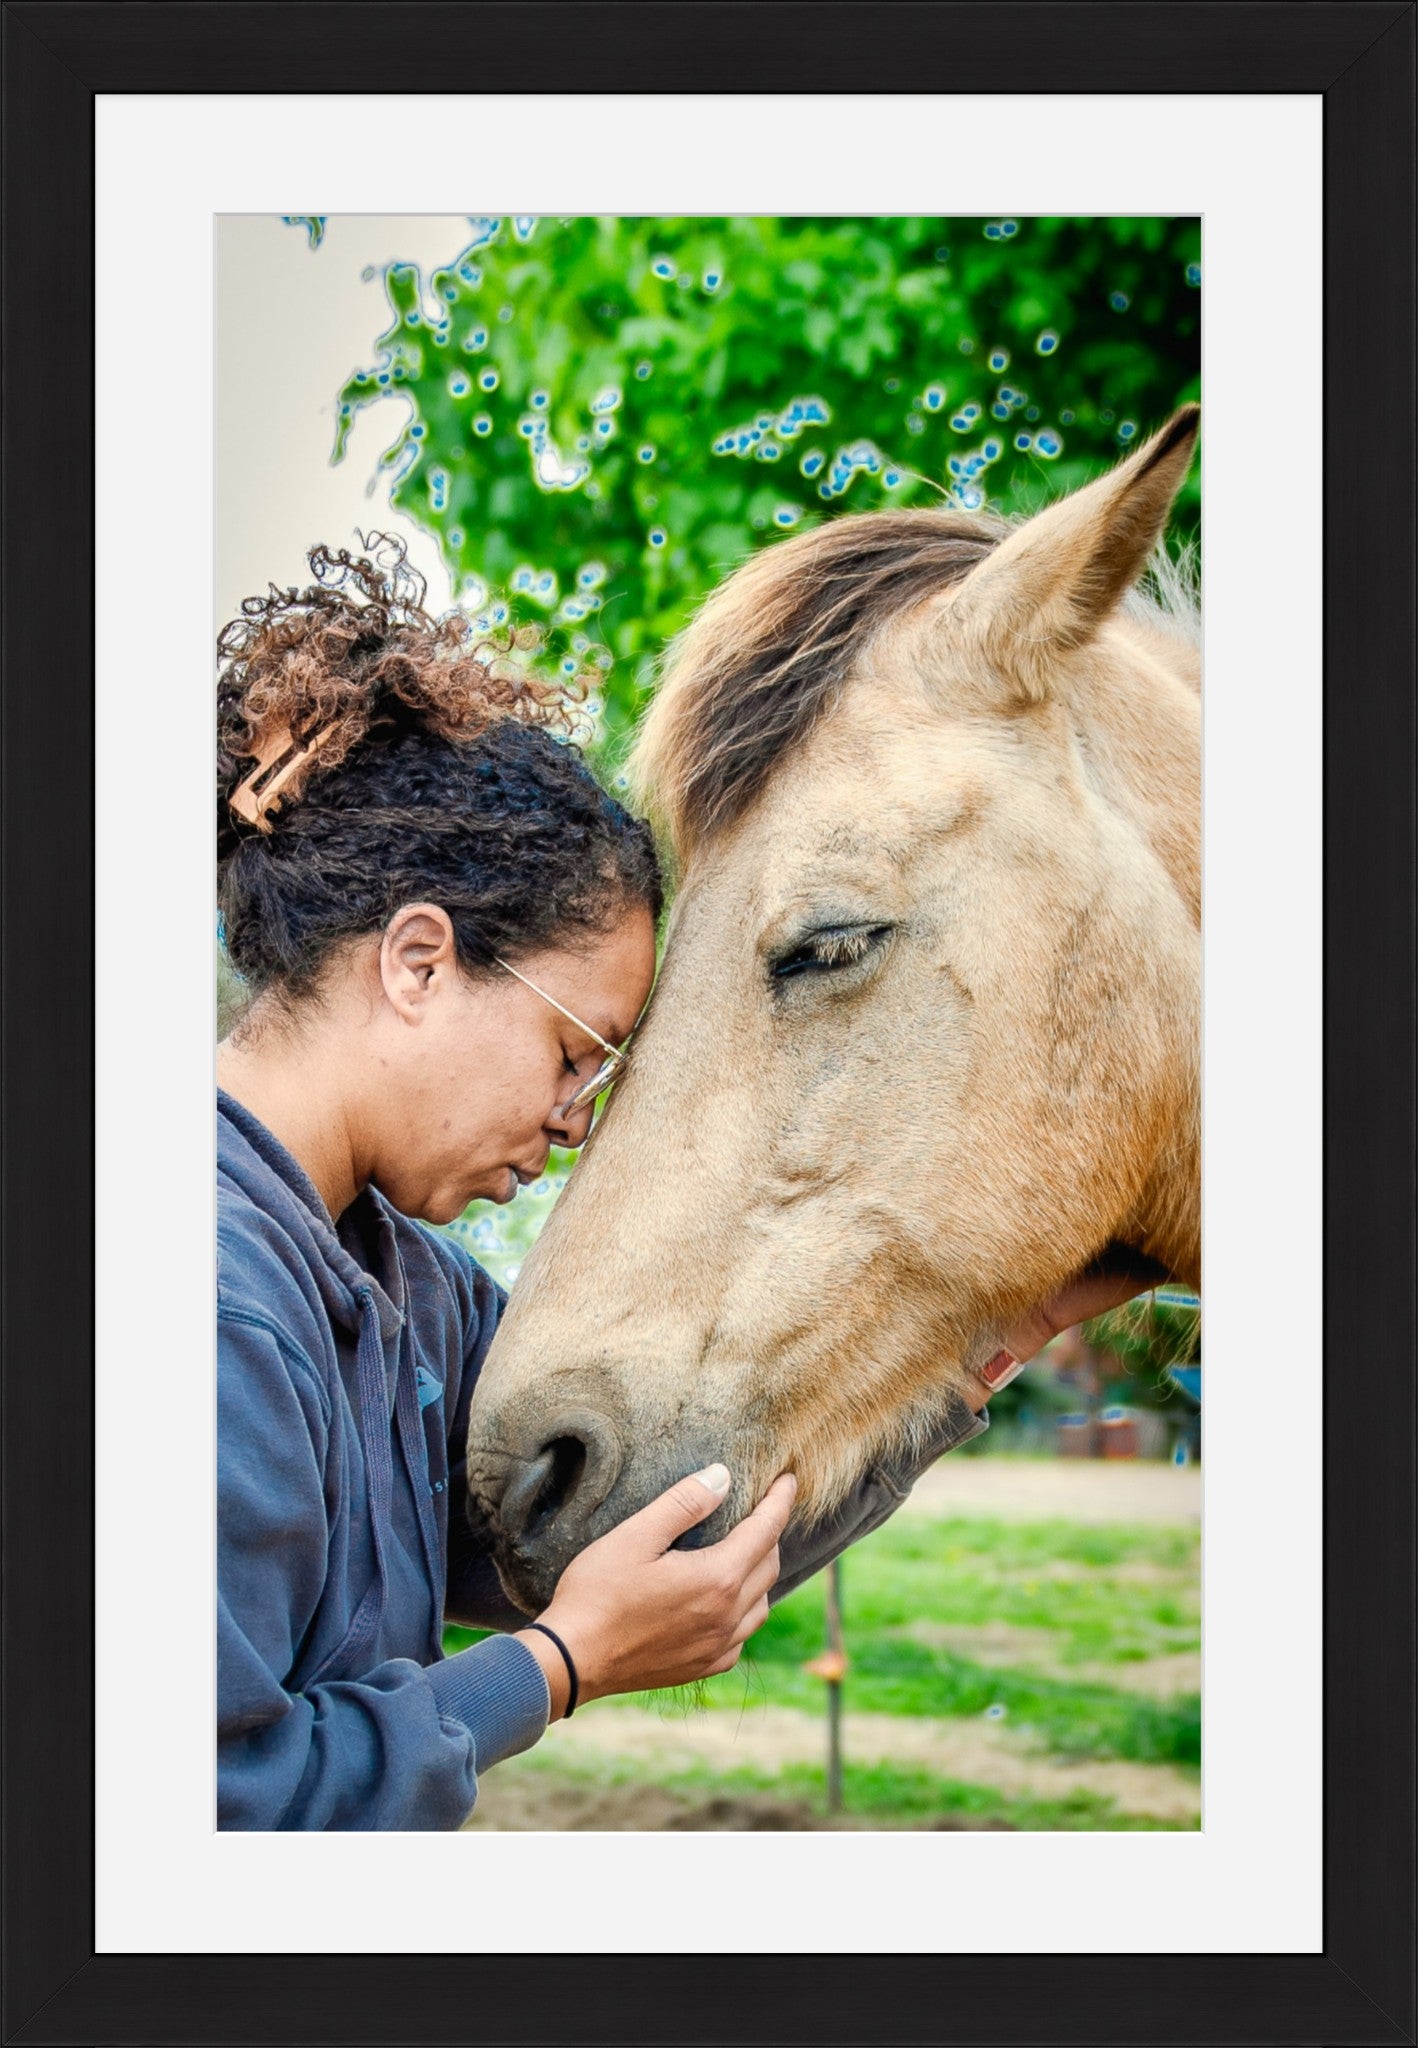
<point>605,415</point>
<point>1149,1335</point>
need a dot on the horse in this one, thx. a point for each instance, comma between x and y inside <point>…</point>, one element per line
<point>923,1059</point>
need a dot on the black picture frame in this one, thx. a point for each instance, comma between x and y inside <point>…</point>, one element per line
<point>1360,56</point>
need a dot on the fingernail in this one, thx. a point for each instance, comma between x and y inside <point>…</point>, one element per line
<point>1001,1370</point>
<point>715,1477</point>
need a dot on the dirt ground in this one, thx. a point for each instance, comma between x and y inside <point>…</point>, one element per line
<point>509,1804</point>
<point>998,1643</point>
<point>1059,1489</point>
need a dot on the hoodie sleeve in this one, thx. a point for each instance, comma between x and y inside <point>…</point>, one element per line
<point>400,1746</point>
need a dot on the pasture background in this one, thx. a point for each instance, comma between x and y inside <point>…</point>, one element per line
<point>580,426</point>
<point>1025,1650</point>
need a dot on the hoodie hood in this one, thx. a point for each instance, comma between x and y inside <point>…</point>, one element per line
<point>253,1163</point>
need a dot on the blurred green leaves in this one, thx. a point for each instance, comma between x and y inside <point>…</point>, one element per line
<point>499,1235</point>
<point>605,415</point>
<point>1149,1335</point>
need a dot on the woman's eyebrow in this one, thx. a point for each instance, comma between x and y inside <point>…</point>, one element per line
<point>615,1033</point>
<point>595,1028</point>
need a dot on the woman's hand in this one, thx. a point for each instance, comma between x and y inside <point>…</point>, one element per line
<point>636,1614</point>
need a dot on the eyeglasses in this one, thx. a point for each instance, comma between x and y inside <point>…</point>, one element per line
<point>606,1072</point>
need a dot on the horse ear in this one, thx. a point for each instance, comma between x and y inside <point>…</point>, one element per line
<point>1053,581</point>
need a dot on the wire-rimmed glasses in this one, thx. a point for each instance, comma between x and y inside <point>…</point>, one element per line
<point>606,1072</point>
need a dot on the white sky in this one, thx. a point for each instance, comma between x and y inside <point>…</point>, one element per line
<point>292,322</point>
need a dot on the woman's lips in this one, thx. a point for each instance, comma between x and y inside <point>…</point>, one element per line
<point>516,1177</point>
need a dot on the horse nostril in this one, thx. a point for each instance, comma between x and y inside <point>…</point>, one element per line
<point>563,1460</point>
<point>565,1480</point>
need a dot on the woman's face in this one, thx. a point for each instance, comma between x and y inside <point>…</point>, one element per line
<point>464,1101</point>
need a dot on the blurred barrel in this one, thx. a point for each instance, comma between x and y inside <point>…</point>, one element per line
<point>1117,1431</point>
<point>1075,1435</point>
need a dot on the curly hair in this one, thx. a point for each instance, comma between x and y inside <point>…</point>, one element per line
<point>446,774</point>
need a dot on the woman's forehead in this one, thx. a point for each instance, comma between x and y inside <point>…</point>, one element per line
<point>607,979</point>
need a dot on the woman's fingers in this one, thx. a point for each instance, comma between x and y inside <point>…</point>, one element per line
<point>747,1561</point>
<point>758,1533</point>
<point>754,1619</point>
<point>679,1508</point>
<point>763,1576</point>
<point>650,1615</point>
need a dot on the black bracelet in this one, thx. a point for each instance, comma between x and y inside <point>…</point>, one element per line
<point>570,1667</point>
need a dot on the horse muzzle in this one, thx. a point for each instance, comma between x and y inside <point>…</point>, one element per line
<point>544,1492</point>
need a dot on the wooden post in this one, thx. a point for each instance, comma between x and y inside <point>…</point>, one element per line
<point>834,1686</point>
<point>831,1667</point>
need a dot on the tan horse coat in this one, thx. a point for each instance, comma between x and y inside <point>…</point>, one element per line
<point>926,1041</point>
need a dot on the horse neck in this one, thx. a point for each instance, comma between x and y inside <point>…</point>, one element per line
<point>1140,731</point>
<point>1137,710</point>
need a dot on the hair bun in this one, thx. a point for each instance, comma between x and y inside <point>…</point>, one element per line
<point>355,655</point>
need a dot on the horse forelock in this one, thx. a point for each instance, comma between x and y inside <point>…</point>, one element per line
<point>770,649</point>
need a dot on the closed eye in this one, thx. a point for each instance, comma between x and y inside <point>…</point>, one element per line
<point>829,950</point>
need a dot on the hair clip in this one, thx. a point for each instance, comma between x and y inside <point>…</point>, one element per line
<point>278,761</point>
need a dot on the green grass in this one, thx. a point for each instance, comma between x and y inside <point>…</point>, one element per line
<point>1098,1596</point>
<point>1055,1576</point>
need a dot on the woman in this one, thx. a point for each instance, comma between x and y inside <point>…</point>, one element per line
<point>445,928</point>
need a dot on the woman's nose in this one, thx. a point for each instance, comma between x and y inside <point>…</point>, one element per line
<point>570,1131</point>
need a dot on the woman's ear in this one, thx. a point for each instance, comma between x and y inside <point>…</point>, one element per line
<point>417,957</point>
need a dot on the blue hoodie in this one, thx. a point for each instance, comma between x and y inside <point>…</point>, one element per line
<point>346,1360</point>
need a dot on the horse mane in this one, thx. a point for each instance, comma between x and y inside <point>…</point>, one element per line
<point>768,652</point>
<point>1169,594</point>
<point>771,647</point>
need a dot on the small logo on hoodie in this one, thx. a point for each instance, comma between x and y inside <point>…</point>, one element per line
<point>427,1387</point>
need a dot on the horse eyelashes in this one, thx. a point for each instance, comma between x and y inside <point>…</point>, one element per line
<point>823,951</point>
<point>842,949</point>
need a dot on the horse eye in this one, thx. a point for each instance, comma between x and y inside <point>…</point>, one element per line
<point>825,951</point>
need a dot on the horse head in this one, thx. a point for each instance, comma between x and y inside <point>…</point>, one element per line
<point>925,1045</point>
